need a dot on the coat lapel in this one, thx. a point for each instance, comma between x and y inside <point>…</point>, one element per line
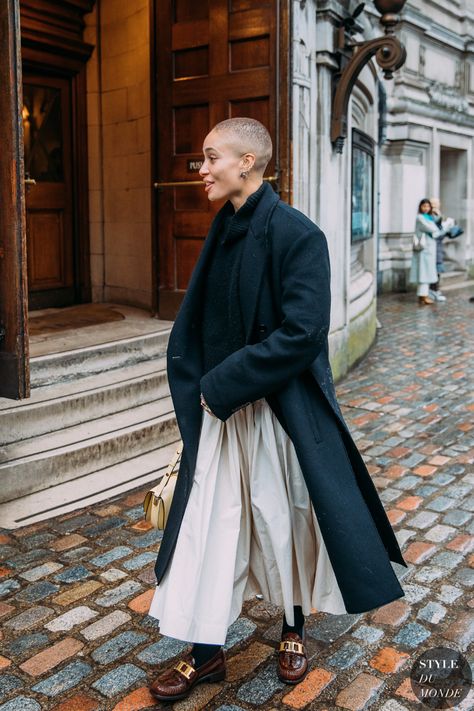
<point>254,258</point>
<point>184,365</point>
<point>192,301</point>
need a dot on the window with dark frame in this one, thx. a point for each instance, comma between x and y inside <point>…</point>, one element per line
<point>362,188</point>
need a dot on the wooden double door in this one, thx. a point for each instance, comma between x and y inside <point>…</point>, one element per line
<point>214,60</point>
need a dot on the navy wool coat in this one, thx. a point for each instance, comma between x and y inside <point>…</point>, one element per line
<point>285,301</point>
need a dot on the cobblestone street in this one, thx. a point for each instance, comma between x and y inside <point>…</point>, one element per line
<point>74,591</point>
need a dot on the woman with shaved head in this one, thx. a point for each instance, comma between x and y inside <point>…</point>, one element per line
<point>272,496</point>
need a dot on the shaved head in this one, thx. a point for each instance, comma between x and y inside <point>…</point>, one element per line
<point>247,135</point>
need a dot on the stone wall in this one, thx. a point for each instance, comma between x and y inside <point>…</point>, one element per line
<point>120,152</point>
<point>322,177</point>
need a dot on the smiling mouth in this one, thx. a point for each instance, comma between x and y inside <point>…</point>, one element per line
<point>208,186</point>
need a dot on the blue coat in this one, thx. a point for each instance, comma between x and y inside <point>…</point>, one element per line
<point>285,301</point>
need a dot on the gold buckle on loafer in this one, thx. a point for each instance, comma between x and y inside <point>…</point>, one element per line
<point>290,646</point>
<point>184,668</point>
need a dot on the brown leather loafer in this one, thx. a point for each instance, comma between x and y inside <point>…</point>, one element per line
<point>292,660</point>
<point>177,682</point>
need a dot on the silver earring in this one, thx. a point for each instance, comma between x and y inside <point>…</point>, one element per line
<point>244,174</point>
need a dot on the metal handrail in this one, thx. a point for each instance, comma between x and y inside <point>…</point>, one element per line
<point>184,183</point>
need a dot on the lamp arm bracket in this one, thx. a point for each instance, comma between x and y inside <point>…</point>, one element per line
<point>390,55</point>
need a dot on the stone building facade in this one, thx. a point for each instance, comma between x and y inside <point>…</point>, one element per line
<point>430,135</point>
<point>421,127</point>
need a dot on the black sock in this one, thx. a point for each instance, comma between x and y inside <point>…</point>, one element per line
<point>299,622</point>
<point>203,652</point>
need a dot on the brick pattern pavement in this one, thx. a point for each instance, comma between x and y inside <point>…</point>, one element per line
<point>74,591</point>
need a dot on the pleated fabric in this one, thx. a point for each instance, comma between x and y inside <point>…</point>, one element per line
<point>249,528</point>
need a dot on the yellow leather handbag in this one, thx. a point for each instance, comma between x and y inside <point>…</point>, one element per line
<point>157,502</point>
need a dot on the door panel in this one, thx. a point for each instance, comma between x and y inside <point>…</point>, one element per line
<point>190,10</point>
<point>47,136</point>
<point>45,249</point>
<point>214,60</point>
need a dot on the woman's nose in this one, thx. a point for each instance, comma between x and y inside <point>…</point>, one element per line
<point>203,169</point>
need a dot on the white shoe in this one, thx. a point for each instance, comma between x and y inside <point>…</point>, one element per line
<point>436,295</point>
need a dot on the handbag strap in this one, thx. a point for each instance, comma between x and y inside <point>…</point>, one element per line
<point>174,460</point>
<point>169,472</point>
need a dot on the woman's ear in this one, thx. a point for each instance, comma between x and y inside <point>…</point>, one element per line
<point>247,161</point>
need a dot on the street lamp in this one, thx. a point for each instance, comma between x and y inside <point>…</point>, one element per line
<point>388,51</point>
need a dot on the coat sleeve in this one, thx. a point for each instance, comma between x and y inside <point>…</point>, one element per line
<point>429,226</point>
<point>256,370</point>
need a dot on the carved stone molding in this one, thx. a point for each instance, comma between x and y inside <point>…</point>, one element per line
<point>442,96</point>
<point>52,30</point>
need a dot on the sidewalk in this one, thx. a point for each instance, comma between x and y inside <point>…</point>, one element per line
<point>74,590</point>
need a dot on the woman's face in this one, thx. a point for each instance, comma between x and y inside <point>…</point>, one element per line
<point>425,208</point>
<point>222,167</point>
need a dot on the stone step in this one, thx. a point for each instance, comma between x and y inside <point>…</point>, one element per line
<point>73,453</point>
<point>99,421</point>
<point>65,404</point>
<point>92,360</point>
<point>453,277</point>
<point>104,483</point>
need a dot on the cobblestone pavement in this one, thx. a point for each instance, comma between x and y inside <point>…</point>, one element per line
<point>74,591</point>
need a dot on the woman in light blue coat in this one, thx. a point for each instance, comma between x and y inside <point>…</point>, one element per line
<point>423,264</point>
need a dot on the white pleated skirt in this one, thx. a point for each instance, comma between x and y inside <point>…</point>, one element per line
<point>249,528</point>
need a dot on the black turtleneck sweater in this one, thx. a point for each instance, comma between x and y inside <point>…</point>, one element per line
<point>222,325</point>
